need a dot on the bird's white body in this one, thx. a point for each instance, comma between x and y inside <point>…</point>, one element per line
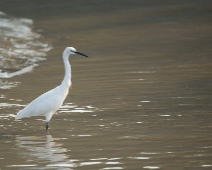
<point>48,103</point>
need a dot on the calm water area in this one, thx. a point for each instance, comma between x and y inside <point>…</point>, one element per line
<point>142,100</point>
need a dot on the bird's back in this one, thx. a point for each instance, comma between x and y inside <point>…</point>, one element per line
<point>48,102</point>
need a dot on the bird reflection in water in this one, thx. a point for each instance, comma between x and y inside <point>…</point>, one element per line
<point>39,151</point>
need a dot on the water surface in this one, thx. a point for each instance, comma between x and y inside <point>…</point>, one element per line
<point>142,100</point>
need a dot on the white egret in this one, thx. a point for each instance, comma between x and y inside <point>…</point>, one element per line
<point>48,103</point>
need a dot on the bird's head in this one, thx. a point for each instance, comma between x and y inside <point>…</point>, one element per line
<point>72,50</point>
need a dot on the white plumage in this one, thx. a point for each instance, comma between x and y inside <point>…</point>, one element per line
<point>48,103</point>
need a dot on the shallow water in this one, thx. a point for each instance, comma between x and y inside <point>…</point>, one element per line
<point>142,100</point>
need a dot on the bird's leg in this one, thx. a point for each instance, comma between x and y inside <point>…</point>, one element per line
<point>47,125</point>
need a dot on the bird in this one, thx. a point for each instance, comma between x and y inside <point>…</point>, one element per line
<point>48,103</point>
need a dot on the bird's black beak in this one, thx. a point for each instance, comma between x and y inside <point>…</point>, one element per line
<point>77,52</point>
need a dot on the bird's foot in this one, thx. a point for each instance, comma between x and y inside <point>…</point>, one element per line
<point>47,125</point>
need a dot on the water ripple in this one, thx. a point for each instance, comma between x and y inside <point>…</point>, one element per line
<point>21,47</point>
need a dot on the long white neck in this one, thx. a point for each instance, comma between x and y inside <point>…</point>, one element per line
<point>67,79</point>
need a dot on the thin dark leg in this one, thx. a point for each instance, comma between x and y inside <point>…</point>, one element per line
<point>47,125</point>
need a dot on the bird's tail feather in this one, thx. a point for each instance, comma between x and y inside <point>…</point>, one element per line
<point>20,114</point>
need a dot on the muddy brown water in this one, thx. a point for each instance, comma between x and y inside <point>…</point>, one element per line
<point>142,100</point>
